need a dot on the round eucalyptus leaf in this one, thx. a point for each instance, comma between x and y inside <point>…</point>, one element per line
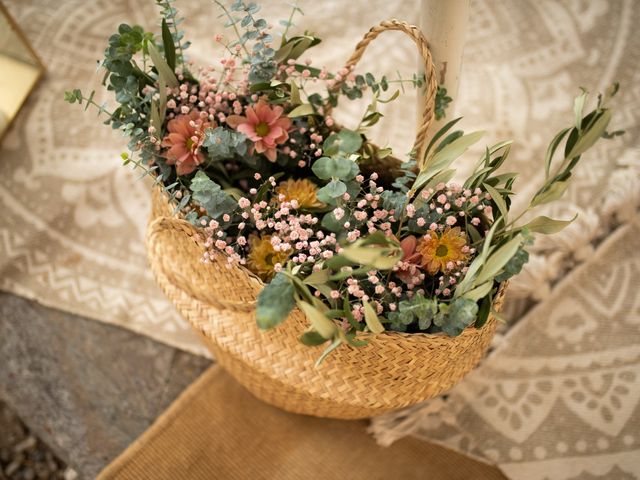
<point>333,189</point>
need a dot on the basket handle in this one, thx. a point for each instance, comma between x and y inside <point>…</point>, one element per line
<point>431,83</point>
<point>175,250</point>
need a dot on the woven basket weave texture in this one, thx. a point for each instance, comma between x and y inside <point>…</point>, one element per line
<point>394,370</point>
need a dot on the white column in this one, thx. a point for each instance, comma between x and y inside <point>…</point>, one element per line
<point>445,24</point>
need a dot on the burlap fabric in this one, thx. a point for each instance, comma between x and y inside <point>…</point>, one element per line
<point>217,430</point>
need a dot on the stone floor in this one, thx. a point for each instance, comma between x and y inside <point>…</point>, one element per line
<point>85,388</point>
<point>23,456</point>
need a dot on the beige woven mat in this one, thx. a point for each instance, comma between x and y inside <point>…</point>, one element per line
<point>217,430</point>
<point>72,219</point>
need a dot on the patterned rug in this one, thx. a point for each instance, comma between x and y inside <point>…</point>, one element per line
<point>73,220</point>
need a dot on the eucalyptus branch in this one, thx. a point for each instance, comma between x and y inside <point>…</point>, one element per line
<point>129,158</point>
<point>289,22</point>
<point>232,21</point>
<point>76,96</point>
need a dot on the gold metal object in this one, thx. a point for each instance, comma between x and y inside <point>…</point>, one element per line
<point>20,69</point>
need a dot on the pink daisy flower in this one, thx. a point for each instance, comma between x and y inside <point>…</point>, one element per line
<point>264,125</point>
<point>186,133</point>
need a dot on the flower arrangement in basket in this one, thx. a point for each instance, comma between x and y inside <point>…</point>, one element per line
<point>266,210</point>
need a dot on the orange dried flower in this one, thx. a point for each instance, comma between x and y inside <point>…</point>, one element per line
<point>304,191</point>
<point>438,250</point>
<point>263,257</point>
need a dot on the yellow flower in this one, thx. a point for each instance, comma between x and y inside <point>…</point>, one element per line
<point>304,191</point>
<point>438,250</point>
<point>263,257</point>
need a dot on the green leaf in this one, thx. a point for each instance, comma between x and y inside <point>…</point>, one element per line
<point>578,107</point>
<point>478,292</point>
<point>460,314</point>
<point>551,194</point>
<point>498,200</point>
<point>506,144</point>
<point>546,225</point>
<point>378,238</point>
<point>325,327</point>
<point>474,234</point>
<point>169,46</point>
<point>363,255</point>
<point>441,159</point>
<point>162,66</point>
<point>395,201</point>
<point>498,260</point>
<point>335,344</point>
<point>283,52</point>
<point>398,321</point>
<point>294,47</point>
<point>371,119</point>
<point>334,313</point>
<point>336,262</point>
<point>467,282</point>
<point>354,341</point>
<point>211,196</point>
<point>334,189</point>
<point>162,104</point>
<point>487,247</point>
<point>371,318</point>
<point>301,110</point>
<point>395,95</point>
<point>331,145</point>
<point>295,93</point>
<point>335,167</point>
<point>417,308</point>
<point>155,116</point>
<point>513,266</point>
<point>317,277</point>
<point>192,218</point>
<point>345,141</point>
<point>375,252</point>
<point>312,338</point>
<point>448,139</point>
<point>330,222</point>
<point>275,301</point>
<point>483,312</point>
<point>440,134</point>
<point>301,288</point>
<point>590,136</point>
<point>505,178</point>
<point>73,96</point>
<point>222,143</point>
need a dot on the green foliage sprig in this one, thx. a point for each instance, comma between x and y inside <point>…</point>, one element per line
<point>261,58</point>
<point>172,38</point>
<point>442,102</point>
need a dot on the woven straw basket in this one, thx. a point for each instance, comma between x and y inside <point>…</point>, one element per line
<point>394,370</point>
